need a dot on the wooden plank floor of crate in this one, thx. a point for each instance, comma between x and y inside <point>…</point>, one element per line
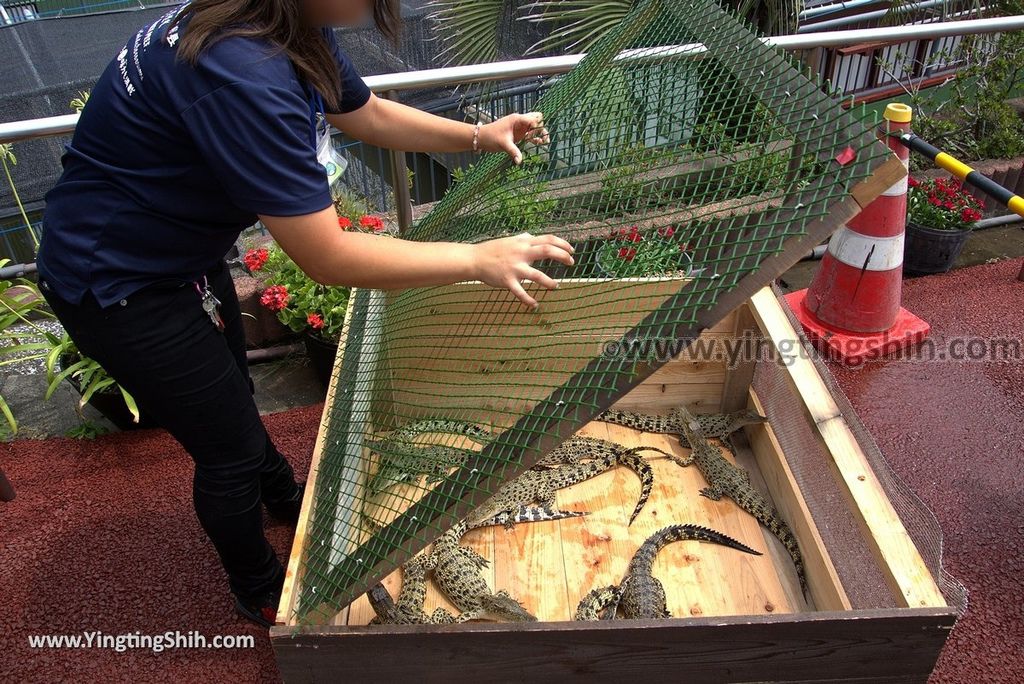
<point>549,566</point>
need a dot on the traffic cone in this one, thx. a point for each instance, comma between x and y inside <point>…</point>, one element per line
<point>852,309</point>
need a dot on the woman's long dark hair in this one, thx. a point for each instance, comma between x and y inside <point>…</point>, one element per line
<point>280,22</point>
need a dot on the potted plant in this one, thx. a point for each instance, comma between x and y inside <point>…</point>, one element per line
<point>940,217</point>
<point>627,252</point>
<point>304,305</point>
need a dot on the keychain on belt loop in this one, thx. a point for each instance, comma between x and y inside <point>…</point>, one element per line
<point>211,305</point>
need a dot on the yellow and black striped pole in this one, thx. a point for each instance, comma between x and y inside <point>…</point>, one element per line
<point>962,171</point>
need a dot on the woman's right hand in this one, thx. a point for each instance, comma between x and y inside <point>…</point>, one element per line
<point>504,262</point>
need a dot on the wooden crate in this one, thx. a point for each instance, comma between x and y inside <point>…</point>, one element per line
<point>737,617</point>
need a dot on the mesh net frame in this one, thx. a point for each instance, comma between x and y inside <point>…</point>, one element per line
<point>681,118</point>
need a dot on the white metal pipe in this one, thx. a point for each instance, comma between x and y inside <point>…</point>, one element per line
<point>835,7</point>
<point>867,16</point>
<point>546,66</point>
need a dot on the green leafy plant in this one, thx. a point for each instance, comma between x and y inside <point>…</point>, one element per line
<point>507,206</point>
<point>64,360</point>
<point>19,298</point>
<point>471,29</point>
<point>7,159</point>
<point>627,252</point>
<point>87,429</point>
<point>942,204</point>
<point>78,104</point>
<point>970,118</point>
<point>624,189</point>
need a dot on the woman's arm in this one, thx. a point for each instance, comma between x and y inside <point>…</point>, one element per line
<point>393,125</point>
<point>332,256</point>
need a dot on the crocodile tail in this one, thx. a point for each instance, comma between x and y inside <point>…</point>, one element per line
<point>632,460</point>
<point>784,534</point>
<point>674,533</point>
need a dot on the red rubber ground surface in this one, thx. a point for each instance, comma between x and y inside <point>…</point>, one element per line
<point>954,432</point>
<point>102,535</point>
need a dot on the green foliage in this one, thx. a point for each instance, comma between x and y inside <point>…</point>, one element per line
<point>349,206</point>
<point>87,429</point>
<point>7,159</point>
<point>506,206</point>
<point>468,29</point>
<point>624,189</point>
<point>970,118</point>
<point>78,103</point>
<point>300,302</point>
<point>64,360</point>
<point>630,253</point>
<point>20,298</point>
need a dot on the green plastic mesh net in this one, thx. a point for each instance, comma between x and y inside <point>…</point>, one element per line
<point>689,164</point>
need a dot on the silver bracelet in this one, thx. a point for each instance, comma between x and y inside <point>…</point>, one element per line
<point>476,138</point>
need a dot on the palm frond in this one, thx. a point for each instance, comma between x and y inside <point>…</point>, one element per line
<point>468,29</point>
<point>581,22</point>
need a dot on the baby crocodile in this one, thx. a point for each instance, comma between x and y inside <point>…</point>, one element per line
<point>580,447</point>
<point>409,608</point>
<point>725,479</point>
<point>717,425</point>
<point>456,570</point>
<point>409,431</point>
<point>595,605</point>
<point>541,485</point>
<point>402,461</point>
<point>641,595</point>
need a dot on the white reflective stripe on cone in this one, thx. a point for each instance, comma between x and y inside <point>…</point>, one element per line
<point>899,187</point>
<point>868,253</point>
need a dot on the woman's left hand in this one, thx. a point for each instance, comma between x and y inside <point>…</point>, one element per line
<point>503,134</point>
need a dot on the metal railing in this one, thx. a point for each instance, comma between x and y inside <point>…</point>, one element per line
<point>395,164</point>
<point>550,66</point>
<point>19,11</point>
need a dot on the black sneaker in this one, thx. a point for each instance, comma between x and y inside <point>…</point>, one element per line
<point>262,611</point>
<point>288,511</point>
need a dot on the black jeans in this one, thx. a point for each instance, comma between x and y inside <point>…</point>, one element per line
<point>161,346</point>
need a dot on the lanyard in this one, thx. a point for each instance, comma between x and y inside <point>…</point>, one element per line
<point>316,105</point>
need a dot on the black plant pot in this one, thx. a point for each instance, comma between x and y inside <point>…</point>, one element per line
<point>321,355</point>
<point>109,402</point>
<point>929,250</point>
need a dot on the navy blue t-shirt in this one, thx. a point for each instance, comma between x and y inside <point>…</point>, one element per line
<point>170,162</point>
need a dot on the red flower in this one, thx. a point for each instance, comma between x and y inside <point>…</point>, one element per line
<point>344,222</point>
<point>969,215</point>
<point>666,231</point>
<point>913,182</point>
<point>947,204</point>
<point>275,297</point>
<point>934,200</point>
<point>255,258</point>
<point>315,320</point>
<point>627,253</point>
<point>374,222</point>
